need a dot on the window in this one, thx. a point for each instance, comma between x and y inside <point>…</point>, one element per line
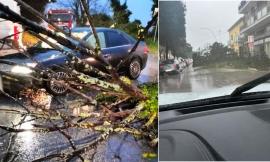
<point>60,17</point>
<point>92,41</point>
<point>264,11</point>
<point>116,39</point>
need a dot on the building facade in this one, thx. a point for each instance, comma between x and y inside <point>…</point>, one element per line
<point>254,36</point>
<point>234,33</point>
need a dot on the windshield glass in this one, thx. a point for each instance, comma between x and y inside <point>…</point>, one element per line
<point>59,17</point>
<point>223,44</point>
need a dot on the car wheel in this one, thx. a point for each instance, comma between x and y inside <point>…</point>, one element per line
<point>55,88</point>
<point>134,70</point>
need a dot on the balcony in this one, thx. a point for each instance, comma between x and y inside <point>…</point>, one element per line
<point>256,22</point>
<point>256,25</point>
<point>262,36</point>
<point>243,6</point>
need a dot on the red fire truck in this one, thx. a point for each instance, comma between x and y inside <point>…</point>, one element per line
<point>63,18</point>
<point>8,28</point>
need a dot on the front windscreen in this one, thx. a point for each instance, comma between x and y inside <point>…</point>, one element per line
<point>60,17</point>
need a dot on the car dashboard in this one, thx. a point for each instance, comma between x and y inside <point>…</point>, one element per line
<point>231,133</point>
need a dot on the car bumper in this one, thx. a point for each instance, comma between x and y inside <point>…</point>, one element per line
<point>144,60</point>
<point>170,70</point>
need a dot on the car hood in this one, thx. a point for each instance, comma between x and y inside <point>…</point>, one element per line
<point>38,54</point>
<point>170,98</point>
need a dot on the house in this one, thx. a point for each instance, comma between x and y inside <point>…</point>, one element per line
<point>255,31</point>
<point>234,32</point>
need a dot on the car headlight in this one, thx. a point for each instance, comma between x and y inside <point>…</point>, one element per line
<point>21,70</point>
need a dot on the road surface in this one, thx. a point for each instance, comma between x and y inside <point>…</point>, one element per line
<point>30,145</point>
<point>202,79</point>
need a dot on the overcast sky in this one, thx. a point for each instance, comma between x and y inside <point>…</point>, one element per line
<point>207,21</point>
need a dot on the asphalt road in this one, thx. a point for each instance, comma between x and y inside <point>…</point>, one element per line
<point>30,145</point>
<point>33,145</point>
<point>202,79</point>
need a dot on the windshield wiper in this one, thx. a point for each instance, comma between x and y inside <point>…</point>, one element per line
<point>245,87</point>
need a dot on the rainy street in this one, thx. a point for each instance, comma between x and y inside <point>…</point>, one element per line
<point>202,79</point>
<point>33,145</point>
<point>124,146</point>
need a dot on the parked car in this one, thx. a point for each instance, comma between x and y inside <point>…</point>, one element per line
<point>115,46</point>
<point>182,63</point>
<point>9,28</point>
<point>188,61</point>
<point>170,66</point>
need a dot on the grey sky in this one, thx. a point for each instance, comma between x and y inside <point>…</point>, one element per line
<point>206,20</point>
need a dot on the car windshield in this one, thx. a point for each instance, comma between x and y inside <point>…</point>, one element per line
<point>59,17</point>
<point>81,29</point>
<point>223,45</point>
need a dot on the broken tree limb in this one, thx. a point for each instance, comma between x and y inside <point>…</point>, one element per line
<point>39,15</point>
<point>39,29</point>
<point>86,10</point>
<point>145,30</point>
<point>121,90</point>
<point>71,55</point>
<point>91,80</point>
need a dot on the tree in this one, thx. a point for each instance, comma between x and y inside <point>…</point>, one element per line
<point>132,27</point>
<point>40,6</point>
<point>218,50</point>
<point>104,115</point>
<point>77,8</point>
<point>154,5</point>
<point>188,50</point>
<point>102,20</point>
<point>120,12</point>
<point>96,10</point>
<point>172,31</point>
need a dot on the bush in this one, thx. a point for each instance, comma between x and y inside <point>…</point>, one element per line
<point>260,62</point>
<point>153,46</point>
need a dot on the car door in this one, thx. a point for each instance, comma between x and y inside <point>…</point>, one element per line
<point>118,46</point>
<point>103,43</point>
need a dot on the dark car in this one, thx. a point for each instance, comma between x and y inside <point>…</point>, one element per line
<point>115,46</point>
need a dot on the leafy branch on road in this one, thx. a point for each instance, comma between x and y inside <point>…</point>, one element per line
<point>115,93</point>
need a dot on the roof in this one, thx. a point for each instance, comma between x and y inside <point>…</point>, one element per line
<point>99,29</point>
<point>236,23</point>
<point>63,10</point>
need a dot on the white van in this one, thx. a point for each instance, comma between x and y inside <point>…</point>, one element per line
<point>8,28</point>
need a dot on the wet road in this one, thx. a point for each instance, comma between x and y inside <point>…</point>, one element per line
<point>30,145</point>
<point>203,79</point>
<point>150,72</point>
